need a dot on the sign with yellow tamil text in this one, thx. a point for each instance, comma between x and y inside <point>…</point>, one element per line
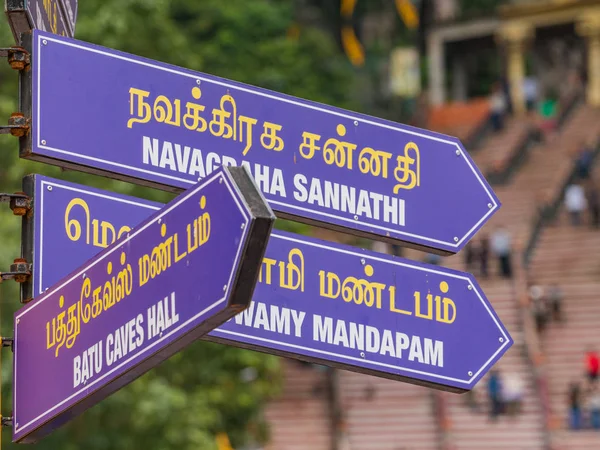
<point>155,124</point>
<point>315,300</point>
<point>187,268</point>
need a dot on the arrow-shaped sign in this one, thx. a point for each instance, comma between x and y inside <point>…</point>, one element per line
<point>182,272</point>
<point>143,121</point>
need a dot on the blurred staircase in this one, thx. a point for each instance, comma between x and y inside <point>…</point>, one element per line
<point>568,256</point>
<point>500,153</point>
<point>386,415</point>
<point>473,429</point>
<point>538,180</point>
<point>300,418</point>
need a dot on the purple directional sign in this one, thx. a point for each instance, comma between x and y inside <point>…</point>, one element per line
<point>152,123</point>
<point>45,15</point>
<point>315,300</point>
<point>182,272</point>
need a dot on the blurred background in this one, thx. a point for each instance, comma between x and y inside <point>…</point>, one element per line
<point>518,82</point>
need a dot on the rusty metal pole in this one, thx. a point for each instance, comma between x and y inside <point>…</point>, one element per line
<point>335,413</point>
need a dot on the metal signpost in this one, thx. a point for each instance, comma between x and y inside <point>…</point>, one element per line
<point>182,272</point>
<point>315,300</point>
<point>46,15</point>
<point>314,163</point>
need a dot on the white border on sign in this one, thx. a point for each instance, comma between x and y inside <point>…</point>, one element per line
<point>273,97</point>
<point>19,428</point>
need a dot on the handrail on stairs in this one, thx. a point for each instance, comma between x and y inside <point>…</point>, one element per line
<point>533,349</point>
<point>548,211</point>
<point>473,142</point>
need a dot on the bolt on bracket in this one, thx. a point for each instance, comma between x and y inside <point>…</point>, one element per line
<point>18,125</point>
<point>20,271</point>
<point>18,202</point>
<point>18,57</point>
<point>8,342</point>
<point>7,421</point>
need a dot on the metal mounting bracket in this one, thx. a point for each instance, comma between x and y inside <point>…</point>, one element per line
<point>18,125</point>
<point>18,202</point>
<point>7,421</point>
<point>18,57</point>
<point>8,342</point>
<point>20,271</point>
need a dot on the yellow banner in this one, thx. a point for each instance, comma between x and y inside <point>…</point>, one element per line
<point>223,442</point>
<point>352,45</point>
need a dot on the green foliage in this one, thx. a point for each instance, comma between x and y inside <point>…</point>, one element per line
<point>208,388</point>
